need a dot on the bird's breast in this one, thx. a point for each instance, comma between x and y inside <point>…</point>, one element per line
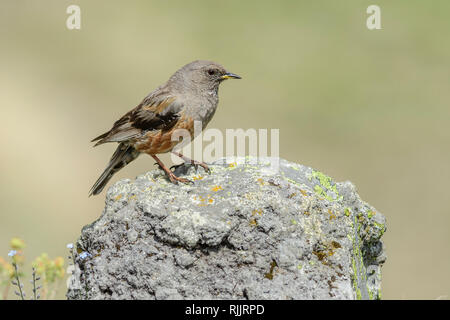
<point>204,109</point>
<point>162,141</point>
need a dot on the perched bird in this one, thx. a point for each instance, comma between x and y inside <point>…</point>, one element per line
<point>191,94</point>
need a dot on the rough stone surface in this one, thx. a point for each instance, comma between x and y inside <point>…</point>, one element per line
<point>245,231</point>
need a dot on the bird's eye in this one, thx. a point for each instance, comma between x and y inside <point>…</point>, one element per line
<point>211,72</point>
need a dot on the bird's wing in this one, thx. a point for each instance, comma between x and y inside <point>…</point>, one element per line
<point>153,113</point>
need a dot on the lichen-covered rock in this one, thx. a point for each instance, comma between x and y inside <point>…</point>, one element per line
<point>244,231</point>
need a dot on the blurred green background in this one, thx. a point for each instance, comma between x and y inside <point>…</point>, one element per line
<point>367,106</point>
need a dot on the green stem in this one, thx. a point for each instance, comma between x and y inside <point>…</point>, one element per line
<point>34,285</point>
<point>16,275</point>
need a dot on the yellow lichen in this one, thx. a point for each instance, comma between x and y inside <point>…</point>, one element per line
<point>332,215</point>
<point>204,201</point>
<point>216,188</point>
<point>257,211</point>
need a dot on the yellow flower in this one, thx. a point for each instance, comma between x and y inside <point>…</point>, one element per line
<point>50,270</point>
<point>6,269</point>
<point>59,262</point>
<point>17,244</point>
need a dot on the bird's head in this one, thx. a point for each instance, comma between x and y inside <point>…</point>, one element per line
<point>203,75</point>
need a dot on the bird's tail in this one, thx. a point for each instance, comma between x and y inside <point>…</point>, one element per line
<point>123,155</point>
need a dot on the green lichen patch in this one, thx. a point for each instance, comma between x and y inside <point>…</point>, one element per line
<point>325,186</point>
<point>380,227</point>
<point>364,229</point>
<point>348,212</point>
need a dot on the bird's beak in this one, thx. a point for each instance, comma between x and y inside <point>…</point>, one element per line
<point>230,75</point>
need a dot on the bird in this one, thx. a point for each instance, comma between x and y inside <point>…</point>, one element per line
<point>190,94</point>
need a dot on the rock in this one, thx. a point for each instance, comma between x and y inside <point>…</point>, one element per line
<point>245,231</point>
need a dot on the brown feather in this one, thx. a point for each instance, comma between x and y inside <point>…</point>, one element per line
<point>154,113</point>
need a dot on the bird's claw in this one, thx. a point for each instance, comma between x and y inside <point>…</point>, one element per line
<point>201,164</point>
<point>206,168</point>
<point>174,179</point>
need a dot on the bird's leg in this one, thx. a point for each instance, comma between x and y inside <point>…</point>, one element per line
<point>173,178</point>
<point>195,163</point>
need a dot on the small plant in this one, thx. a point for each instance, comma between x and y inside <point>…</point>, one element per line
<point>16,281</point>
<point>9,272</point>
<point>6,275</point>
<point>51,271</point>
<point>33,281</point>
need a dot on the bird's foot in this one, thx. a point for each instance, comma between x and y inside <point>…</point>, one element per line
<point>174,179</point>
<point>193,163</point>
<point>203,165</point>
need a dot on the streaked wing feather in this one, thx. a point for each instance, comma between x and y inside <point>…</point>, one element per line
<point>154,113</point>
<point>161,115</point>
